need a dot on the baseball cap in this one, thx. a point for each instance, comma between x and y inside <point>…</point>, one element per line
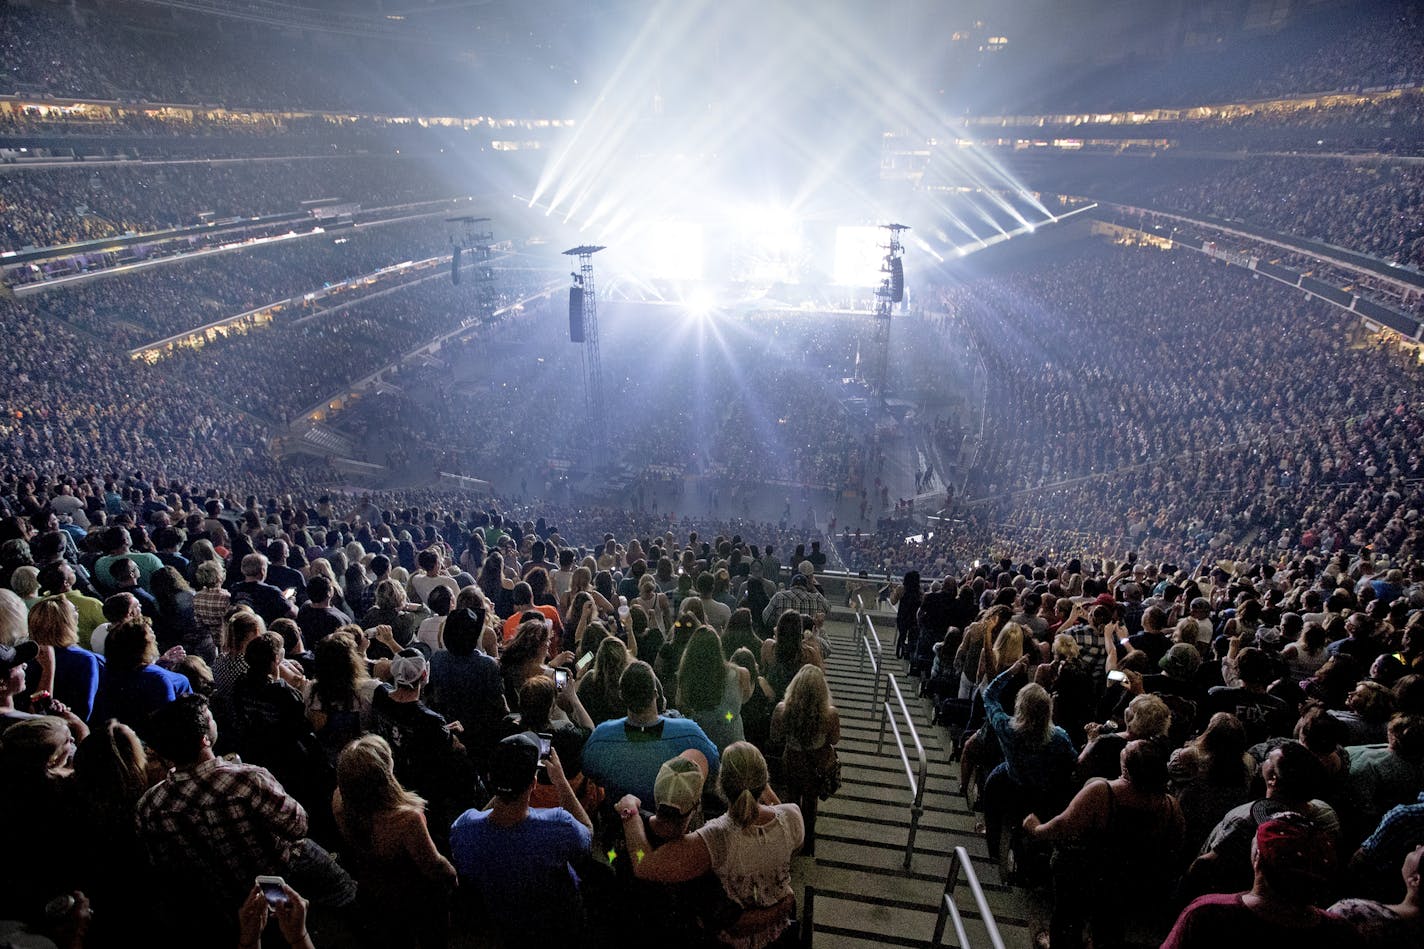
<point>17,655</point>
<point>408,668</point>
<point>513,764</point>
<point>679,783</point>
<point>1181,661</point>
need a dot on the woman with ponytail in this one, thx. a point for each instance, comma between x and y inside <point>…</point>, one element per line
<point>749,848</point>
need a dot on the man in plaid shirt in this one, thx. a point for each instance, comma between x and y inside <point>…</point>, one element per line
<point>213,825</point>
<point>798,597</point>
<point>1089,624</point>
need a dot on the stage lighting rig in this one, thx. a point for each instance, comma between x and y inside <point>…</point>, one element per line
<point>583,329</point>
<point>474,235</point>
<point>890,292</point>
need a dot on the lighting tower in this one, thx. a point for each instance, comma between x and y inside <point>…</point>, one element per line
<point>890,292</point>
<point>474,235</point>
<point>596,423</point>
<point>482,245</point>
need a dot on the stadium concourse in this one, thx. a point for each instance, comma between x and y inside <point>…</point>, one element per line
<point>1077,598</point>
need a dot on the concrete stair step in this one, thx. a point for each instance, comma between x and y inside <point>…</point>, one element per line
<point>865,897</point>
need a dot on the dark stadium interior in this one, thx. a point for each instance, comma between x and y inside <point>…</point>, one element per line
<point>617,473</point>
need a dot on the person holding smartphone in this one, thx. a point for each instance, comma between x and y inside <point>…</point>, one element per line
<point>271,896</point>
<point>522,859</point>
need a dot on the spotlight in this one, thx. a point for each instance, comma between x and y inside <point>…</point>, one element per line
<point>700,304</point>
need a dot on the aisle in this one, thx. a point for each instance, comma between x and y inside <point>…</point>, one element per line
<point>864,896</point>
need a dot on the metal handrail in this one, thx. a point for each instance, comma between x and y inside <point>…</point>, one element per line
<point>865,632</point>
<point>916,776</point>
<point>874,670</point>
<point>808,917</point>
<point>949,909</point>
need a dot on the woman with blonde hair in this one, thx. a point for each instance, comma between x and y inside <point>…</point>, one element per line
<point>1306,654</point>
<point>1036,774</point>
<point>12,618</point>
<point>393,857</point>
<point>695,606</point>
<point>598,689</point>
<point>240,627</point>
<point>211,602</point>
<point>749,848</point>
<point>583,583</point>
<point>656,603</point>
<point>1211,774</point>
<point>807,728</point>
<point>1006,649</point>
<point>25,581</point>
<point>391,609</point>
<point>1064,675</point>
<point>73,672</point>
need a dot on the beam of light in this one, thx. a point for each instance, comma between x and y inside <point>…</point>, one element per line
<point>924,245</point>
<point>693,116</point>
<point>967,249</point>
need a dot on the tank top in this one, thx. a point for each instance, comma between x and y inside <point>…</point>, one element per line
<point>723,724</point>
<point>1134,842</point>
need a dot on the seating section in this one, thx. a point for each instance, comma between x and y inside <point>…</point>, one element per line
<point>1154,603</point>
<point>45,207</point>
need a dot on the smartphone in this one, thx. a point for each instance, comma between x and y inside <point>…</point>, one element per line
<point>584,660</point>
<point>561,679</point>
<point>1117,675</point>
<point>541,774</point>
<point>272,890</point>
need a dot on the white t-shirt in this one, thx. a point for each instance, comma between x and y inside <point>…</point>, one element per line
<point>717,614</point>
<point>563,582</point>
<point>96,638</point>
<point>429,632</point>
<point>421,584</point>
